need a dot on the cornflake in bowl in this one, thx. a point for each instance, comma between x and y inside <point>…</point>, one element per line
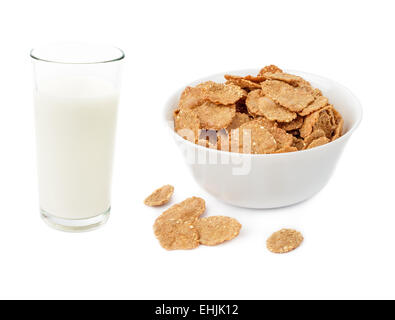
<point>262,138</point>
<point>272,112</point>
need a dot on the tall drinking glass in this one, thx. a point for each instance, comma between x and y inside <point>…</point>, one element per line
<point>76,93</point>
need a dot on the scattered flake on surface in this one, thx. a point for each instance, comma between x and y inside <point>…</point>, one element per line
<point>160,196</point>
<point>175,228</point>
<point>217,229</point>
<point>284,241</point>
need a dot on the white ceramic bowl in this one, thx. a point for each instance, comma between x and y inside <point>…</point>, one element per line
<point>269,180</point>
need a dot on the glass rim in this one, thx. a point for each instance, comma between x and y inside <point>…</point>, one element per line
<point>120,57</point>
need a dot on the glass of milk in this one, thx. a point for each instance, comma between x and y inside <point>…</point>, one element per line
<point>76,93</point>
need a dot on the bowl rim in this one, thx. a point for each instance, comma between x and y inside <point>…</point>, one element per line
<point>358,106</point>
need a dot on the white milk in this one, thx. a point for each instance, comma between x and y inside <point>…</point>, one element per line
<point>75,128</point>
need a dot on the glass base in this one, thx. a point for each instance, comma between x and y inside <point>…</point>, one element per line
<point>76,225</point>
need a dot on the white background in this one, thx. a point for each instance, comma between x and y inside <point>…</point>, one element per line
<point>349,227</point>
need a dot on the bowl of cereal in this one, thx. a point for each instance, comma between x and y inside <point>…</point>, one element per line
<point>262,138</point>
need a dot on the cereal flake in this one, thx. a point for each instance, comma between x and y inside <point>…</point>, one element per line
<point>260,105</point>
<point>318,142</point>
<point>160,196</point>
<point>291,79</point>
<point>339,125</point>
<point>242,82</point>
<point>238,120</point>
<point>191,97</point>
<point>314,135</point>
<point>287,149</point>
<point>323,119</point>
<point>294,99</point>
<point>317,104</point>
<point>255,138</point>
<point>175,229</point>
<point>284,241</point>
<point>187,124</point>
<point>217,229</point>
<point>269,69</point>
<point>215,117</point>
<point>221,93</point>
<point>177,235</point>
<point>293,125</point>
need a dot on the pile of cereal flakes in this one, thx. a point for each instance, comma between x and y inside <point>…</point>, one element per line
<point>272,112</point>
<point>181,226</point>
